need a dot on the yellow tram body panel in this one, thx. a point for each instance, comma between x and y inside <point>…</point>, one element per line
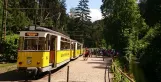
<point>78,52</point>
<point>37,59</point>
<point>83,50</point>
<point>62,56</point>
<point>72,53</point>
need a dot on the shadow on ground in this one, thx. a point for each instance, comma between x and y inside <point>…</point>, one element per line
<point>13,76</point>
<point>22,77</point>
<point>96,56</point>
<point>97,62</point>
<point>102,64</point>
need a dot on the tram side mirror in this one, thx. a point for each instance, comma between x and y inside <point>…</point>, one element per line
<point>15,41</point>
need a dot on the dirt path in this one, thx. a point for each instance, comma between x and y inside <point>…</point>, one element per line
<point>92,70</point>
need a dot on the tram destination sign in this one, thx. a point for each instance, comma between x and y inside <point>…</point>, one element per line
<point>31,34</point>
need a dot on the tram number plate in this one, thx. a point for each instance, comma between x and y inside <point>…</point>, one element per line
<point>29,60</point>
<point>29,57</point>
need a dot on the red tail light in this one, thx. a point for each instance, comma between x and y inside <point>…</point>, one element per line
<point>20,63</point>
<point>38,62</point>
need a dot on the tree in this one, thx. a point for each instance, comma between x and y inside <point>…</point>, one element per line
<point>132,35</point>
<point>1,13</point>
<point>152,12</point>
<point>44,13</point>
<point>21,13</point>
<point>124,29</point>
<point>16,19</point>
<point>118,26</point>
<point>1,10</point>
<point>63,17</point>
<point>80,24</point>
<point>150,55</point>
<point>97,33</point>
<point>82,11</point>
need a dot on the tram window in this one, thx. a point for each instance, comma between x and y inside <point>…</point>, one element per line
<point>41,44</point>
<point>65,45</point>
<point>36,43</point>
<point>30,44</point>
<point>72,46</point>
<point>79,46</point>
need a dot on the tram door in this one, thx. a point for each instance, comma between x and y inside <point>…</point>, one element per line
<point>71,51</point>
<point>74,50</point>
<point>52,50</point>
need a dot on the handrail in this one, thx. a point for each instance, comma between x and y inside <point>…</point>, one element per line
<point>122,73</point>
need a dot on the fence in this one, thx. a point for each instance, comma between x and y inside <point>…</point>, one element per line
<point>119,75</point>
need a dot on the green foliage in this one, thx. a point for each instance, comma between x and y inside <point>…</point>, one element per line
<point>82,11</point>
<point>54,17</point>
<point>84,24</point>
<point>81,28</point>
<point>9,48</point>
<point>17,21</point>
<point>152,12</point>
<point>97,34</point>
<point>1,10</point>
<point>150,57</point>
<point>149,54</point>
<point>138,73</point>
<point>103,43</point>
<point>109,47</point>
<point>127,34</point>
<point>119,77</point>
<point>121,30</point>
<point>49,22</point>
<point>134,37</point>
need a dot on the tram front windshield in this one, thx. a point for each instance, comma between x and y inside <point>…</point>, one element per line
<point>32,43</point>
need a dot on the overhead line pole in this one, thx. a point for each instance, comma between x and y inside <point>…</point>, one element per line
<point>41,19</point>
<point>4,18</point>
<point>35,13</point>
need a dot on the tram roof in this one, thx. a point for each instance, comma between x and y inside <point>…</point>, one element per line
<point>51,31</point>
<point>43,29</point>
<point>75,41</point>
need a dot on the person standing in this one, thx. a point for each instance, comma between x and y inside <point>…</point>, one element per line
<point>86,54</point>
<point>90,53</point>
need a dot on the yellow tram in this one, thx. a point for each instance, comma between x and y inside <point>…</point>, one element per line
<point>76,48</point>
<point>41,50</point>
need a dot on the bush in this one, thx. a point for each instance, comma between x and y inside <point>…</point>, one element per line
<point>9,49</point>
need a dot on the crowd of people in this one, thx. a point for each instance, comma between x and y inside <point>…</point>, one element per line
<point>97,52</point>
